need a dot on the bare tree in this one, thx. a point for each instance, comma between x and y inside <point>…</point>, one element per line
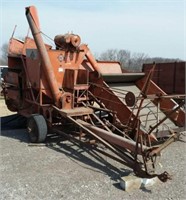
<point>132,62</point>
<point>110,54</point>
<point>3,58</point>
<point>137,61</point>
<point>124,57</point>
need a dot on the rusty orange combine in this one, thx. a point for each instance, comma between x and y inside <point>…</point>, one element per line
<point>68,91</point>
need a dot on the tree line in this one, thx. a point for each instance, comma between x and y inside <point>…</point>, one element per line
<point>131,61</point>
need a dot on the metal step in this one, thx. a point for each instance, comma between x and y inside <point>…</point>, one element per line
<point>79,111</point>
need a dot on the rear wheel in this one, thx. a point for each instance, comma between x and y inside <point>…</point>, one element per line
<point>37,128</point>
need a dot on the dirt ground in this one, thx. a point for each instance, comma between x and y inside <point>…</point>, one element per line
<point>68,171</point>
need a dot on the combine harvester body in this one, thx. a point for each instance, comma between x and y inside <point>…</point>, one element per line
<point>69,92</point>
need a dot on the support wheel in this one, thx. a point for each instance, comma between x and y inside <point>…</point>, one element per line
<point>37,128</point>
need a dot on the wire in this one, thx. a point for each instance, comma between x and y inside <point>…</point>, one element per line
<point>49,39</point>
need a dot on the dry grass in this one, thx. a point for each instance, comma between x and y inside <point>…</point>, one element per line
<point>3,108</point>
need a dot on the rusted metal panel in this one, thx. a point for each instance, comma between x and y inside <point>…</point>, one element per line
<point>82,76</point>
<point>170,77</point>
<point>33,68</point>
<point>166,77</point>
<point>15,46</point>
<point>58,65</point>
<point>35,74</point>
<point>111,101</point>
<point>69,79</point>
<point>18,47</point>
<point>107,67</point>
<point>15,62</point>
<point>179,86</point>
<point>12,78</point>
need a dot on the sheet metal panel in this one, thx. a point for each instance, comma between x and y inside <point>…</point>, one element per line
<point>170,77</point>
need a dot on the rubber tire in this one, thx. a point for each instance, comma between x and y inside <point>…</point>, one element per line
<point>37,128</point>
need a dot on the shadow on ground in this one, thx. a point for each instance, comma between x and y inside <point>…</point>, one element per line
<point>85,155</point>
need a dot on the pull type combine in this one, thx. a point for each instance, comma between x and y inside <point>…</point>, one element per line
<point>67,91</point>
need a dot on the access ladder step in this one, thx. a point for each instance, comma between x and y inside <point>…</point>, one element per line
<point>79,111</point>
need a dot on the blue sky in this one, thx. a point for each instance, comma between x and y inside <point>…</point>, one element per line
<point>156,28</point>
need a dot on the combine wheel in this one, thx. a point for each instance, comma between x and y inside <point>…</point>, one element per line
<point>37,128</point>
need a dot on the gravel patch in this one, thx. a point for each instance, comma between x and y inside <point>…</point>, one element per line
<point>67,171</point>
<point>71,172</point>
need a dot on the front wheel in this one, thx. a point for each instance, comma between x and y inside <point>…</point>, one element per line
<point>37,128</point>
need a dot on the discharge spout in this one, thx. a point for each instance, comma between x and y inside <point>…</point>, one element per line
<point>33,20</point>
